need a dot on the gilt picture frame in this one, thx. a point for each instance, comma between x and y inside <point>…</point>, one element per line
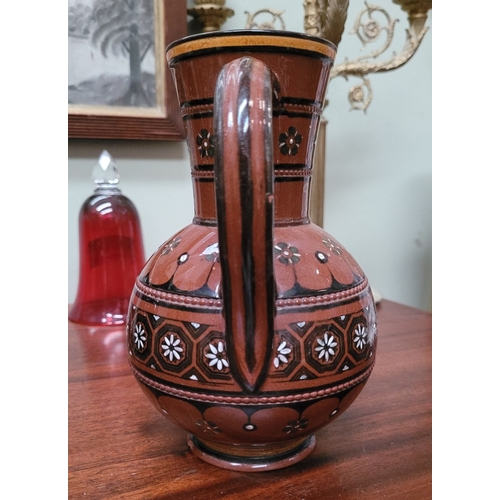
<point>119,85</point>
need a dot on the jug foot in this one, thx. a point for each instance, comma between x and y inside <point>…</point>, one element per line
<point>252,458</point>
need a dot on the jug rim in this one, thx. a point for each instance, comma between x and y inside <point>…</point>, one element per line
<point>254,39</point>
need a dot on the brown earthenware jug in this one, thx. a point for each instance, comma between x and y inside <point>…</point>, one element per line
<point>251,328</point>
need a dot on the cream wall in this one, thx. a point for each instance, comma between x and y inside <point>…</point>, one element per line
<point>378,174</point>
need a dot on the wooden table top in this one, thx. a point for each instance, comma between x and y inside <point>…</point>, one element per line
<point>121,447</point>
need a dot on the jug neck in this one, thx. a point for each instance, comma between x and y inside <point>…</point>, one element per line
<point>300,70</point>
<point>291,196</point>
<point>294,137</point>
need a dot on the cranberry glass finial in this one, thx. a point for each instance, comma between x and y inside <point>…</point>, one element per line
<point>111,250</point>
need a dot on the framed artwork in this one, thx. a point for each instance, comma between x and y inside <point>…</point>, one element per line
<point>119,85</point>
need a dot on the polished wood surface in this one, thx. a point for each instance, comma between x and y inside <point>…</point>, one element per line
<point>121,447</point>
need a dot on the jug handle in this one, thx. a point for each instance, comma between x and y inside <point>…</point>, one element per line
<point>244,187</point>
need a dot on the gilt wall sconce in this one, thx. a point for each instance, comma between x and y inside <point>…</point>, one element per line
<point>326,18</point>
<point>271,17</point>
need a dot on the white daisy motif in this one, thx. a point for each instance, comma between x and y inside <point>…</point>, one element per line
<point>360,336</point>
<point>205,426</point>
<point>286,254</point>
<point>171,348</point>
<point>326,345</point>
<point>139,337</point>
<point>217,356</point>
<point>281,354</point>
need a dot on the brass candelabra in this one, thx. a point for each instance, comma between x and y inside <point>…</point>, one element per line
<point>210,14</point>
<point>326,18</point>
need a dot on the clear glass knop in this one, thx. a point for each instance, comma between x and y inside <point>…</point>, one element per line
<point>105,172</point>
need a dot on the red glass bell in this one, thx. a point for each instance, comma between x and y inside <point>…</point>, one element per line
<point>111,250</point>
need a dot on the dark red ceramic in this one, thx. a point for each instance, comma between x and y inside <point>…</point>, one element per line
<point>251,328</point>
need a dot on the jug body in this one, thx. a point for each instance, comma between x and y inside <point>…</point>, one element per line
<point>251,363</point>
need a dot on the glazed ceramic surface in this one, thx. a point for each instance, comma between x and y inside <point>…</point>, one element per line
<point>252,327</point>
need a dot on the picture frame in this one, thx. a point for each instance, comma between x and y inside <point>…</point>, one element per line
<point>157,116</point>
